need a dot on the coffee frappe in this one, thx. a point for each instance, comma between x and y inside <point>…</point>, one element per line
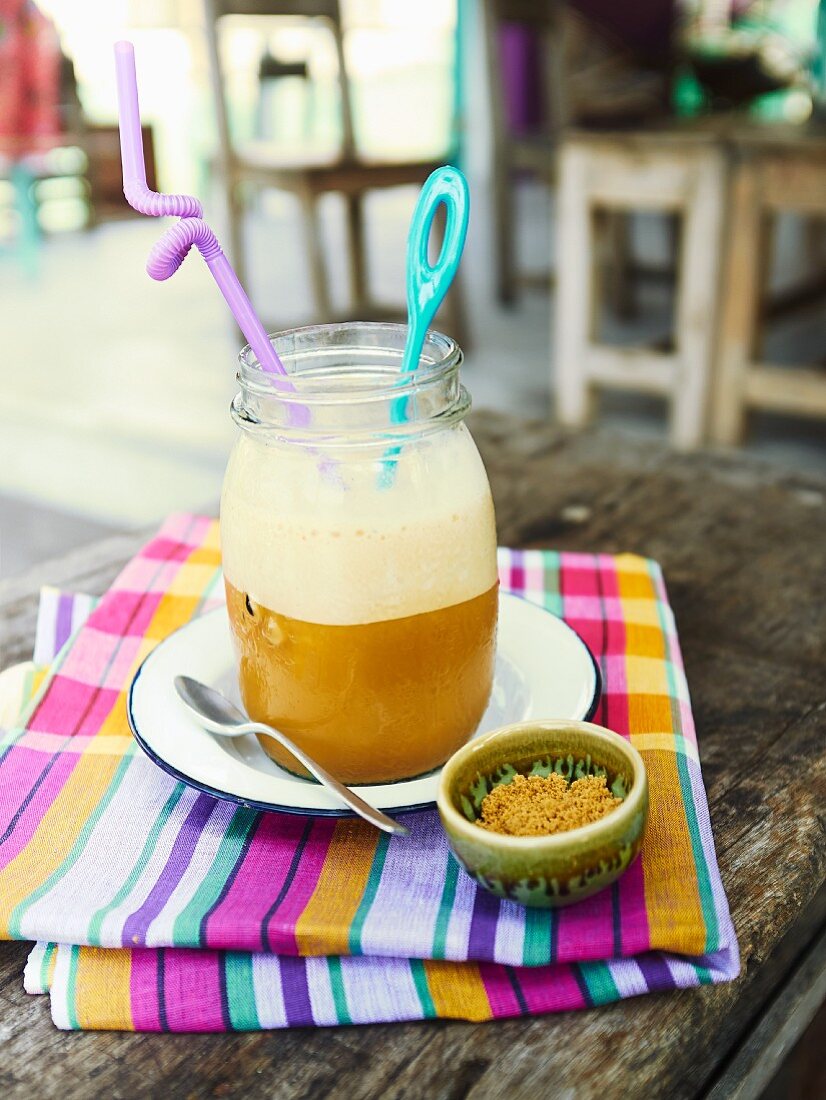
<point>359,552</point>
<point>363,611</point>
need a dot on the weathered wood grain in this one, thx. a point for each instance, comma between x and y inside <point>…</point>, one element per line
<point>769,1043</point>
<point>742,547</point>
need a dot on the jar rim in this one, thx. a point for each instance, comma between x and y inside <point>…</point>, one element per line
<point>298,345</point>
<point>344,383</point>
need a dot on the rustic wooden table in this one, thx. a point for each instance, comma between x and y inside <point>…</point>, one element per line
<point>743,552</point>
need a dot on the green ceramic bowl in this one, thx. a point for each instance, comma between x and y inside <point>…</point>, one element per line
<point>554,870</point>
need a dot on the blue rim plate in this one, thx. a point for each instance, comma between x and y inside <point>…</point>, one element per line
<point>543,670</point>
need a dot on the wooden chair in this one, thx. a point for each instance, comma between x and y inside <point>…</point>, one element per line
<point>515,153</point>
<point>791,176</point>
<point>586,79</point>
<point>344,172</point>
<point>681,173</point>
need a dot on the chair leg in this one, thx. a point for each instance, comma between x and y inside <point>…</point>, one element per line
<point>767,238</point>
<point>697,296</point>
<point>814,230</point>
<point>235,217</point>
<point>504,228</point>
<point>575,290</point>
<point>315,251</point>
<point>739,303</point>
<point>357,252</point>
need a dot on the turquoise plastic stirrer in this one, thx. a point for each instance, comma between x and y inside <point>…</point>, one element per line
<point>428,283</point>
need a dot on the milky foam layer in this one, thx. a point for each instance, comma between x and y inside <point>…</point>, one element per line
<point>321,541</point>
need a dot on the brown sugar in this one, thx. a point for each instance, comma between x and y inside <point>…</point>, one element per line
<point>538,805</point>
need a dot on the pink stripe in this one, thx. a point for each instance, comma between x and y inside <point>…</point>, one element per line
<point>105,702</point>
<point>185,527</point>
<point>687,722</point>
<point>61,706</point>
<point>281,929</point>
<point>613,711</point>
<point>268,861</point>
<point>550,988</point>
<point>117,612</point>
<point>577,580</point>
<point>70,707</point>
<point>167,550</point>
<point>16,779</point>
<point>143,990</point>
<point>634,928</point>
<point>580,570</point>
<point>586,930</point>
<point>192,981</point>
<point>499,990</point>
<point>517,572</point>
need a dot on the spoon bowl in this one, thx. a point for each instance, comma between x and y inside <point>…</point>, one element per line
<point>215,712</point>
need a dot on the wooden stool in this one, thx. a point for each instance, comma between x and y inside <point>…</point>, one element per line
<point>791,178</point>
<point>667,171</point>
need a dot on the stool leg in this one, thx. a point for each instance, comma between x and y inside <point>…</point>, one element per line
<point>315,249</point>
<point>574,290</point>
<point>739,305</point>
<point>235,217</point>
<point>357,253</point>
<point>697,291</point>
<point>504,185</point>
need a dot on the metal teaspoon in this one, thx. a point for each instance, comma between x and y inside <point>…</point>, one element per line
<point>218,715</point>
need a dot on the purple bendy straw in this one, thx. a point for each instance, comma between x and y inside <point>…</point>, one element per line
<point>171,250</point>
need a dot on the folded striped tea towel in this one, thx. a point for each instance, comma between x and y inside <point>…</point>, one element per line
<point>156,907</point>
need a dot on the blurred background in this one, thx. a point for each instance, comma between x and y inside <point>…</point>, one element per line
<point>307,128</point>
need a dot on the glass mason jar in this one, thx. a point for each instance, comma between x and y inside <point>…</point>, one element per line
<point>359,552</point>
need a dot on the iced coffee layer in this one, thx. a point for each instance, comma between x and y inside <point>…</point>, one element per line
<point>339,548</point>
<point>373,702</point>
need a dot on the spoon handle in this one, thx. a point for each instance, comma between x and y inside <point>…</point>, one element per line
<point>348,797</point>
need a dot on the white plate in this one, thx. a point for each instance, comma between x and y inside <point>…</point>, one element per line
<point>543,670</point>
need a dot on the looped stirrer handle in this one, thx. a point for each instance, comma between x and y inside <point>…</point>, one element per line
<point>428,283</point>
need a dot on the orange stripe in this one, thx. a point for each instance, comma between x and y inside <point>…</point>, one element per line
<point>672,898</point>
<point>102,993</point>
<point>324,926</point>
<point>206,555</point>
<point>457,990</point>
<point>171,612</point>
<point>641,640</point>
<point>56,834</point>
<point>635,584</point>
<point>675,916</point>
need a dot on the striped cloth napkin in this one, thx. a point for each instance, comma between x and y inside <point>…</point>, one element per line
<point>158,908</point>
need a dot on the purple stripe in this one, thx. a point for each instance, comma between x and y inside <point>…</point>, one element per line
<point>63,621</point>
<point>482,937</point>
<point>295,991</point>
<point>657,976</point>
<point>135,926</point>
